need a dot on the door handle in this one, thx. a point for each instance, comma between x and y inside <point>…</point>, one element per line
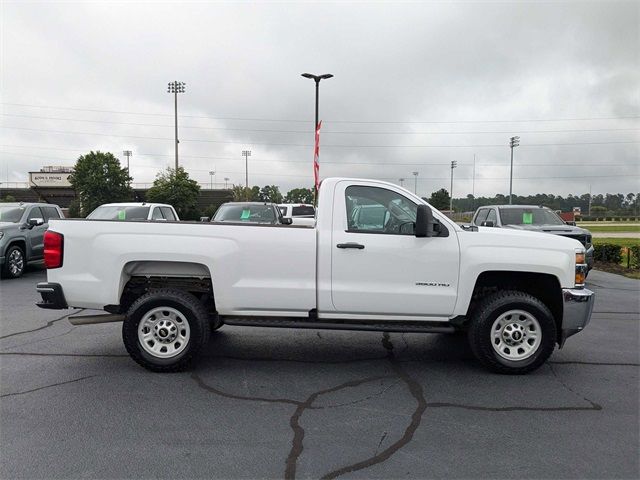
<point>350,245</point>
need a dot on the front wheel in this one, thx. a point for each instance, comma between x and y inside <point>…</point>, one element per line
<point>512,332</point>
<point>15,263</point>
<point>165,330</point>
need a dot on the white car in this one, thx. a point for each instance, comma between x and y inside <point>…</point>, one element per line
<point>299,213</point>
<point>135,212</point>
<point>404,268</point>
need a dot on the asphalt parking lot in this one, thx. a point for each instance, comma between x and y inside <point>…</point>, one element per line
<point>271,403</point>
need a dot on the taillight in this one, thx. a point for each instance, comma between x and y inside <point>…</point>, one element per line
<point>53,249</point>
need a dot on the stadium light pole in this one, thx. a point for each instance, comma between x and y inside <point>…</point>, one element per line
<point>415,188</point>
<point>513,143</point>
<point>128,153</point>
<point>176,87</point>
<point>454,164</point>
<point>246,154</point>
<point>226,179</point>
<point>212,174</point>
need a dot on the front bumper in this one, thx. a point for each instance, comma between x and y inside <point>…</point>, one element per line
<point>52,296</point>
<point>578,305</point>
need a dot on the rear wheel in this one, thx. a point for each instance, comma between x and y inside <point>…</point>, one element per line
<point>14,262</point>
<point>512,332</point>
<point>165,330</point>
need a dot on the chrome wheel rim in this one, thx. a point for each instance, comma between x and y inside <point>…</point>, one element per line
<point>164,332</point>
<point>16,262</point>
<point>516,335</point>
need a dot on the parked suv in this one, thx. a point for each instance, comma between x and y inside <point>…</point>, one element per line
<point>22,227</point>
<point>535,219</point>
<point>135,211</point>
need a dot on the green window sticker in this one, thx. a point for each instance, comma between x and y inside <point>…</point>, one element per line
<point>245,215</point>
<point>122,215</point>
<point>527,218</point>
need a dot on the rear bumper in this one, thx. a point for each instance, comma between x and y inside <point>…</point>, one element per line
<point>52,296</point>
<point>578,305</point>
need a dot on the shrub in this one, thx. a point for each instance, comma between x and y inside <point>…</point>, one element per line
<point>607,252</point>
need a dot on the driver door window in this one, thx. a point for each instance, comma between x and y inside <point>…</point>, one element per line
<point>378,210</point>
<point>492,217</point>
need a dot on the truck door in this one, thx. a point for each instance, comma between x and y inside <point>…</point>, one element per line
<point>378,266</point>
<point>36,234</point>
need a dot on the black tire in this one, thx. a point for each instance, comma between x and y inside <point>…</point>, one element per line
<point>480,333</point>
<point>193,311</point>
<point>10,261</point>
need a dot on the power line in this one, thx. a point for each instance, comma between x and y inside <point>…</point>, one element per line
<point>568,119</point>
<point>306,132</point>
<point>310,145</point>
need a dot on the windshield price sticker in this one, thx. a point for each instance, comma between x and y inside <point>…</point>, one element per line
<point>245,215</point>
<point>122,215</point>
<point>527,218</point>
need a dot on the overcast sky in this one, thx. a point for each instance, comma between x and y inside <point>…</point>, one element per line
<point>416,86</point>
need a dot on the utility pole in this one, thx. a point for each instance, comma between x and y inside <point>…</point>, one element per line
<point>473,181</point>
<point>246,154</point>
<point>454,164</point>
<point>515,142</point>
<point>589,199</point>
<point>401,182</point>
<point>176,87</point>
<point>415,187</point>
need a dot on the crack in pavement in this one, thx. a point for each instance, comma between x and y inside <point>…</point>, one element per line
<point>49,324</point>
<point>45,387</point>
<point>81,355</point>
<point>43,339</point>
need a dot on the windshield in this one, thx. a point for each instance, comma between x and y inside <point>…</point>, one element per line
<point>245,213</point>
<point>303,211</point>
<point>529,216</point>
<point>11,214</point>
<point>115,212</point>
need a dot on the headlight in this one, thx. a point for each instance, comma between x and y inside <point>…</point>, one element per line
<point>581,268</point>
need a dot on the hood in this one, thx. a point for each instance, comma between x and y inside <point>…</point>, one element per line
<point>7,225</point>
<point>556,229</point>
<point>525,237</point>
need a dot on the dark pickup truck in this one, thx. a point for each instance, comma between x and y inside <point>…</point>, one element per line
<point>535,219</point>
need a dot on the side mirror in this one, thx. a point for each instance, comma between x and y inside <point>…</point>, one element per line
<point>424,220</point>
<point>573,224</point>
<point>204,219</point>
<point>35,222</point>
<point>488,223</point>
<point>287,221</point>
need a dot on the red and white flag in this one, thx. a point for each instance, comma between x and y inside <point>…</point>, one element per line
<point>316,154</point>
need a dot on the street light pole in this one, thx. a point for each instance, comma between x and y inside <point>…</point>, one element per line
<point>454,164</point>
<point>401,182</point>
<point>176,87</point>
<point>415,188</point>
<point>226,179</point>
<point>316,78</point>
<point>514,142</point>
<point>246,154</point>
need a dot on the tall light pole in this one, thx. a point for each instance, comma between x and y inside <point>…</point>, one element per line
<point>226,179</point>
<point>212,174</point>
<point>176,87</point>
<point>401,182</point>
<point>127,153</point>
<point>246,154</point>
<point>454,164</point>
<point>316,78</point>
<point>415,188</point>
<point>514,142</point>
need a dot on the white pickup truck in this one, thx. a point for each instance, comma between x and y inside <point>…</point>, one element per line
<point>407,268</point>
